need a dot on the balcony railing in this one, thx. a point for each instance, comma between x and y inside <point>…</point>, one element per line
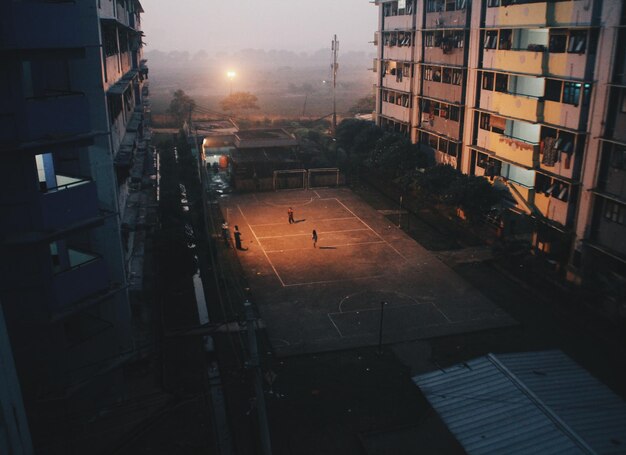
<point>529,108</point>
<point>68,204</point>
<point>55,117</point>
<point>509,148</point>
<point>86,276</point>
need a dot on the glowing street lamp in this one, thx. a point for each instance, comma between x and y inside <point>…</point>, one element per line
<point>231,75</point>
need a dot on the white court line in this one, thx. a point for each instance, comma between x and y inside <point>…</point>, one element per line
<point>317,194</point>
<point>316,219</point>
<point>334,281</point>
<point>257,240</point>
<point>333,323</point>
<point>377,234</point>
<point>297,204</point>
<point>324,247</point>
<point>299,235</point>
<point>363,310</point>
<point>442,313</point>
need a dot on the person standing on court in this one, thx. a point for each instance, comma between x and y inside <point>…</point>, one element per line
<point>226,234</point>
<point>290,214</point>
<point>314,238</point>
<point>238,238</point>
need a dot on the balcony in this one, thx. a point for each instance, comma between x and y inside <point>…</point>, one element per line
<point>552,208</point>
<point>446,19</point>
<point>515,61</point>
<point>575,12</point>
<point>567,64</point>
<point>396,112</point>
<point>87,275</point>
<point>523,107</point>
<point>389,81</point>
<point>438,55</point>
<point>528,14</point>
<point>441,91</point>
<point>399,53</point>
<point>37,25</point>
<point>441,126</point>
<point>57,117</point>
<point>556,113</point>
<point>402,22</point>
<point>69,203</point>
<point>513,150</point>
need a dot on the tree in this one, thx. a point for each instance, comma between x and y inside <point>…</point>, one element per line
<point>181,107</point>
<point>363,105</point>
<point>239,101</point>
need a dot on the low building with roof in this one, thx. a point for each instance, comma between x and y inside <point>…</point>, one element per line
<point>527,403</point>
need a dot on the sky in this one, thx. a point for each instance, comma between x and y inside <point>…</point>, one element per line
<point>232,25</point>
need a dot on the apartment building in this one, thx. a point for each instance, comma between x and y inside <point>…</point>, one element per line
<point>70,125</point>
<point>526,93</point>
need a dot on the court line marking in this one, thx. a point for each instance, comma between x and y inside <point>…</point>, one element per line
<point>399,294</point>
<point>317,194</point>
<point>317,220</point>
<point>297,204</point>
<point>323,247</point>
<point>335,325</point>
<point>300,235</point>
<point>377,234</point>
<point>257,240</point>
<point>334,281</point>
<point>363,310</point>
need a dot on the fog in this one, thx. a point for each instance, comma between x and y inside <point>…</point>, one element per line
<point>233,25</point>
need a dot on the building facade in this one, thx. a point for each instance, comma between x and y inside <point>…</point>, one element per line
<point>527,93</point>
<point>71,121</point>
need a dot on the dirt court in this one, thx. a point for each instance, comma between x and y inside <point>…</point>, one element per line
<point>329,297</point>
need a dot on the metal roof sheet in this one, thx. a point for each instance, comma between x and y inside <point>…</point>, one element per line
<point>527,403</point>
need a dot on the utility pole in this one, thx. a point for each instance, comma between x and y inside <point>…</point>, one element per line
<point>255,363</point>
<point>335,66</point>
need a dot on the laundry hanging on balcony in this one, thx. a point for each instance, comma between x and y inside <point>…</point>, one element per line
<point>550,152</point>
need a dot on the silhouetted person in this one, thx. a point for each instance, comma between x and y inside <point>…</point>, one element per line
<point>226,235</point>
<point>238,239</point>
<point>314,238</point>
<point>290,214</point>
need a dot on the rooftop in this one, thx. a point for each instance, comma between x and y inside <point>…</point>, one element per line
<point>527,403</point>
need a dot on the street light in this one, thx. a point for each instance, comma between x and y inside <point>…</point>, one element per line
<point>231,75</point>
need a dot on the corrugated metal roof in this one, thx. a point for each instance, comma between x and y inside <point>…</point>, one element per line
<point>527,403</point>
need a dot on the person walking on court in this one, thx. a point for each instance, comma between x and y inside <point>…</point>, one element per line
<point>238,239</point>
<point>226,234</point>
<point>314,238</point>
<point>290,214</point>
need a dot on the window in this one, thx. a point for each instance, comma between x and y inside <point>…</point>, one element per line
<point>452,149</point>
<point>553,90</point>
<point>571,93</point>
<point>454,113</point>
<point>433,141</point>
<point>46,77</point>
<point>429,39</point>
<point>435,6</point>
<point>502,83</point>
<point>457,77</point>
<point>427,73</point>
<point>447,76</point>
<point>406,70</point>
<point>614,212</point>
<point>491,38</point>
<point>618,157</point>
<point>493,3</point>
<point>577,41</point>
<point>484,121</point>
<point>557,41</point>
<point>443,145</point>
<point>505,42</point>
<point>488,81</point>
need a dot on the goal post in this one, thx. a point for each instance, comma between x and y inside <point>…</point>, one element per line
<point>323,177</point>
<point>290,179</point>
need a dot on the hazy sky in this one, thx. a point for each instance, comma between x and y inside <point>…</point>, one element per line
<point>231,25</point>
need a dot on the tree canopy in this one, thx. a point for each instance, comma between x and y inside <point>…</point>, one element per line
<point>239,101</point>
<point>181,107</point>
